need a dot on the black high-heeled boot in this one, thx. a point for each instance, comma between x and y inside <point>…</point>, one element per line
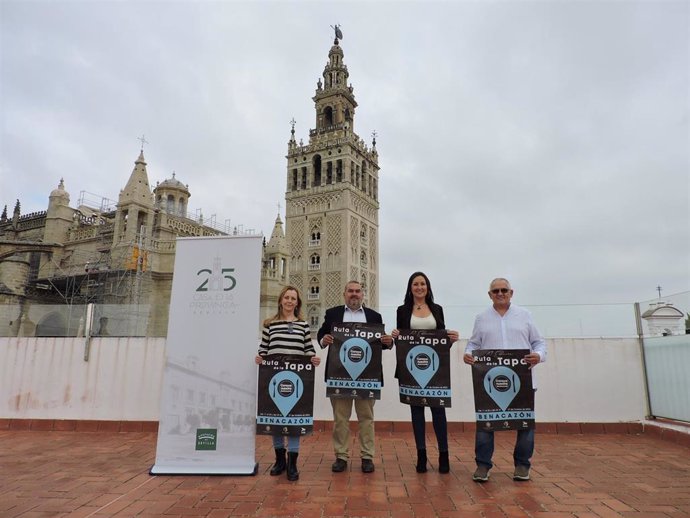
<point>421,461</point>
<point>443,462</point>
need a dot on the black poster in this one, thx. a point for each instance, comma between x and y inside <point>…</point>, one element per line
<point>354,361</point>
<point>503,395</point>
<point>285,402</point>
<point>423,367</point>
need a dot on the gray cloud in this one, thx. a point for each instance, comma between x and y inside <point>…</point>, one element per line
<point>543,141</point>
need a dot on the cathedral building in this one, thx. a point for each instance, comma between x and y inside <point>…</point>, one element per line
<point>119,255</point>
<point>332,199</point>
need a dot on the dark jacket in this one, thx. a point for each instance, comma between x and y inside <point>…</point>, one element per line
<point>404,315</point>
<point>335,315</point>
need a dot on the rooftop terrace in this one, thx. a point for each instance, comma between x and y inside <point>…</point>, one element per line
<point>592,475</point>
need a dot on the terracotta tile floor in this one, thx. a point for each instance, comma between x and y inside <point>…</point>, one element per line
<point>81,474</point>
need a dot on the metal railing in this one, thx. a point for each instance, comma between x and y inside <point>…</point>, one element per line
<point>75,320</point>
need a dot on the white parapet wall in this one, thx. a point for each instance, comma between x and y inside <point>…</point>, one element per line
<point>586,380</point>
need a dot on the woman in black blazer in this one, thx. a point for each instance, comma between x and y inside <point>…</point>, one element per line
<point>420,312</point>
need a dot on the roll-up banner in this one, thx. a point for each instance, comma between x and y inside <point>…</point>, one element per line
<point>208,397</point>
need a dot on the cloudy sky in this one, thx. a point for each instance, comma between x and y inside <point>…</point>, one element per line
<point>542,141</point>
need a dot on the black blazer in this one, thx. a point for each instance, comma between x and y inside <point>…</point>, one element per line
<point>336,315</point>
<point>404,315</point>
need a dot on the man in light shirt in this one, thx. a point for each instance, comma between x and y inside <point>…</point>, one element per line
<point>504,326</point>
<point>352,311</point>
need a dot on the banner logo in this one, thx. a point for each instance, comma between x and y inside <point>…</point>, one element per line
<point>355,355</point>
<point>286,389</point>
<point>213,290</point>
<point>502,384</point>
<point>422,362</point>
<point>206,438</point>
<point>216,278</point>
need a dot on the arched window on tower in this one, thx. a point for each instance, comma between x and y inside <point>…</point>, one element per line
<point>364,176</point>
<point>170,206</point>
<point>316,164</point>
<point>314,317</point>
<point>339,171</point>
<point>294,180</point>
<point>329,172</point>
<point>313,293</point>
<point>181,207</point>
<point>315,238</point>
<point>141,221</point>
<point>315,262</point>
<point>328,116</point>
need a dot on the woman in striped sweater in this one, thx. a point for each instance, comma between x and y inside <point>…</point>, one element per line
<point>287,333</point>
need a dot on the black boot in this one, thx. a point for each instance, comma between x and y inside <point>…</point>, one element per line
<point>279,466</point>
<point>292,473</point>
<point>443,463</point>
<point>421,461</point>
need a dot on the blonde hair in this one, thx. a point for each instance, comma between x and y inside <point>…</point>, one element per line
<point>298,307</point>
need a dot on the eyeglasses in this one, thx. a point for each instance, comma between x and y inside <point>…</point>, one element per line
<point>496,291</point>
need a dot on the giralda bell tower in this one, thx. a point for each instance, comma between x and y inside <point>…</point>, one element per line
<point>331,199</point>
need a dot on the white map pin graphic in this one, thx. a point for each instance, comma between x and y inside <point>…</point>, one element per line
<point>285,389</point>
<point>422,362</point>
<point>355,355</point>
<point>502,384</point>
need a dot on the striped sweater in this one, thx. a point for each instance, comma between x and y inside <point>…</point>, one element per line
<point>281,337</point>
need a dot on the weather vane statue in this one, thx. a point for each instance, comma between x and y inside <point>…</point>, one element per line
<point>338,33</point>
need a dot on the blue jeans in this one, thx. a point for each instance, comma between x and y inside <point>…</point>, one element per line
<point>438,417</point>
<point>292,442</point>
<point>484,448</point>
